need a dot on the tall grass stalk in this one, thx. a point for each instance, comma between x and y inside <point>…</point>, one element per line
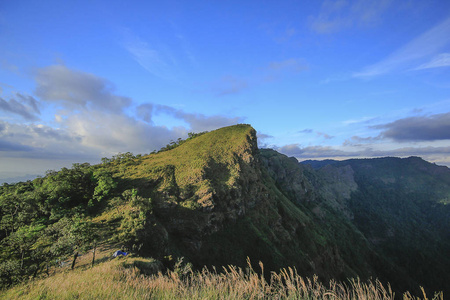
<point>121,279</point>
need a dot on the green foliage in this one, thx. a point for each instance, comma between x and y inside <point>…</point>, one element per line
<point>47,218</point>
<point>67,189</point>
<point>134,218</point>
<point>105,184</point>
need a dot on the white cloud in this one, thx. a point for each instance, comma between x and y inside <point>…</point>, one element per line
<point>112,133</point>
<point>76,89</point>
<point>38,140</point>
<point>441,60</point>
<point>428,44</point>
<point>92,122</point>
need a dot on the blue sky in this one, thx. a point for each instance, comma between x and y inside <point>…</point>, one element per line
<point>81,80</point>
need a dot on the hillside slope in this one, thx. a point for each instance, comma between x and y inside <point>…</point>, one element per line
<point>217,199</point>
<point>215,203</point>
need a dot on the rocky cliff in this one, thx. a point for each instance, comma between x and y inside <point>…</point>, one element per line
<point>218,199</point>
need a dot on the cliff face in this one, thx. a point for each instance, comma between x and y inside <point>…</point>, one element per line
<point>217,199</point>
<point>202,185</point>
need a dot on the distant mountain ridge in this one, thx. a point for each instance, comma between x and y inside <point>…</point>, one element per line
<point>217,199</point>
<point>402,208</point>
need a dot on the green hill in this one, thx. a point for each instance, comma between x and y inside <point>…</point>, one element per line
<point>216,200</point>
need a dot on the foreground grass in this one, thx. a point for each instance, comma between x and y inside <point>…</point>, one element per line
<point>123,279</point>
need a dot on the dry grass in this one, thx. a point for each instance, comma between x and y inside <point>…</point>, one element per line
<point>120,279</point>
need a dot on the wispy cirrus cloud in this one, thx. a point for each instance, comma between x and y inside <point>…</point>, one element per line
<point>412,55</point>
<point>440,60</point>
<point>335,16</point>
<point>359,120</point>
<point>166,57</point>
<point>151,57</point>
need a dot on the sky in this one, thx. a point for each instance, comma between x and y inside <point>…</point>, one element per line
<point>82,80</point>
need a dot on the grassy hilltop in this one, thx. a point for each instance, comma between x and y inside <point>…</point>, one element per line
<point>214,199</point>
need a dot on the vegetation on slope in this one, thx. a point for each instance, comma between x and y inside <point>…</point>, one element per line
<point>138,278</point>
<point>48,218</point>
<point>123,200</point>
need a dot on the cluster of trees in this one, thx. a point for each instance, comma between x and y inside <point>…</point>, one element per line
<point>121,157</point>
<point>48,218</point>
<point>45,220</point>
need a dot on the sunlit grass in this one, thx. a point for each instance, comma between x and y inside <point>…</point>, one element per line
<point>121,279</point>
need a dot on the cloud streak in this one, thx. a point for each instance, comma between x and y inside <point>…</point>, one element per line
<point>163,56</point>
<point>335,16</point>
<point>154,61</point>
<point>441,60</point>
<point>428,44</point>
<point>24,106</point>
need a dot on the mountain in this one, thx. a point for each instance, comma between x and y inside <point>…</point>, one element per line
<point>401,208</point>
<point>216,199</point>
